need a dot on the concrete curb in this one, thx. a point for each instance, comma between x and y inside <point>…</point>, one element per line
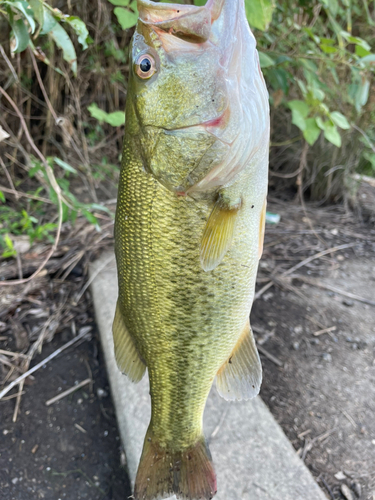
<point>253,458</point>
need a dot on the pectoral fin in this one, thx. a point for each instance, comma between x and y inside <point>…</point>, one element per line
<point>217,235</point>
<point>241,375</point>
<point>127,356</point>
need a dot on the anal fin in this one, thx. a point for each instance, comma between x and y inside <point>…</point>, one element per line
<point>217,235</point>
<point>241,375</point>
<point>127,356</point>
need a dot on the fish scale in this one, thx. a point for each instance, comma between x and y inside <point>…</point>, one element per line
<point>177,312</point>
<point>189,230</point>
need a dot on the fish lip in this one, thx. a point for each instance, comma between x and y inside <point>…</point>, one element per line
<point>212,122</point>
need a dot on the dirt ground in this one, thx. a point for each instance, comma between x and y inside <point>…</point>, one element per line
<point>319,386</point>
<point>70,449</point>
<point>322,389</point>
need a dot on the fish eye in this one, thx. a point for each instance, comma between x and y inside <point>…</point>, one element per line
<point>145,66</point>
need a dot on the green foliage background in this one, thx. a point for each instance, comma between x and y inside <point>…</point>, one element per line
<point>318,59</point>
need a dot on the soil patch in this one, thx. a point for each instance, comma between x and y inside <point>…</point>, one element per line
<point>70,449</point>
<point>321,386</point>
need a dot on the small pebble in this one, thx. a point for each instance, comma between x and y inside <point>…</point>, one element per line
<point>357,489</point>
<point>348,302</point>
<point>346,492</point>
<point>298,329</point>
<point>327,357</point>
<point>101,393</point>
<point>15,480</point>
<point>340,475</point>
<point>296,346</point>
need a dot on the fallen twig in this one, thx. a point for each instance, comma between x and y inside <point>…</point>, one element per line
<point>324,330</point>
<point>319,284</point>
<point>270,356</point>
<point>68,391</point>
<point>77,426</point>
<point>303,263</point>
<point>42,363</point>
<point>18,401</point>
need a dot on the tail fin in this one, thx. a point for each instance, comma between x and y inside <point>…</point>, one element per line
<point>189,474</point>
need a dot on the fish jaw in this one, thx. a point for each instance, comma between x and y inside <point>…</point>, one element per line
<point>185,20</point>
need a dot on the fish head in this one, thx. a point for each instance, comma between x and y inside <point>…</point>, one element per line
<point>194,78</point>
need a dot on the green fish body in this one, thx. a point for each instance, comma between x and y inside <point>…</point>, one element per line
<point>189,229</point>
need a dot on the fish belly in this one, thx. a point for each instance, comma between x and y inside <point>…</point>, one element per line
<point>184,321</point>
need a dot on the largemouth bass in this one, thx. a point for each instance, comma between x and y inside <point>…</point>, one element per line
<point>189,229</point>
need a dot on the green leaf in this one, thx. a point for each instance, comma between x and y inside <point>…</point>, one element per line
<point>37,7</point>
<point>48,22</point>
<point>20,33</point>
<point>332,135</point>
<point>361,96</point>
<point>26,11</point>
<point>199,3</point>
<point>90,217</point>
<point>265,60</point>
<point>259,13</point>
<point>63,41</point>
<point>299,106</point>
<point>340,120</point>
<point>317,93</point>
<point>97,206</point>
<point>116,119</point>
<point>361,52</point>
<point>2,197</point>
<point>126,18</point>
<point>298,119</point>
<point>327,41</point>
<point>123,3</point>
<point>328,49</point>
<point>65,165</point>
<point>321,124</point>
<point>312,131</point>
<point>312,35</point>
<point>332,5</point>
<point>80,29</point>
<point>355,39</point>
<point>10,250</point>
<point>278,78</point>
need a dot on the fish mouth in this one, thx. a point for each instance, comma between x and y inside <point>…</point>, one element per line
<point>214,126</point>
<point>189,22</point>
